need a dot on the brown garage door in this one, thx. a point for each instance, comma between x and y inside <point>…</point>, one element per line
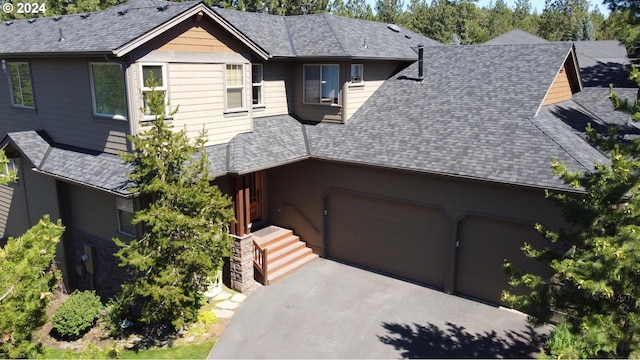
<point>484,244</point>
<point>396,238</point>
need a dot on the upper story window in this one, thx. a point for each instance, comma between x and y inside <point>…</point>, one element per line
<point>234,76</point>
<point>20,86</point>
<point>107,90</point>
<point>356,74</point>
<point>321,84</point>
<point>256,84</point>
<point>154,78</point>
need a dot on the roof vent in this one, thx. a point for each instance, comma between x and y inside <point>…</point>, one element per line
<point>8,22</point>
<point>61,38</point>
<point>122,12</point>
<point>407,36</point>
<point>31,21</point>
<point>393,27</point>
<point>84,16</point>
<point>163,7</point>
<point>56,18</point>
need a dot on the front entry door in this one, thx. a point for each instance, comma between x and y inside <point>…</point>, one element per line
<point>254,183</point>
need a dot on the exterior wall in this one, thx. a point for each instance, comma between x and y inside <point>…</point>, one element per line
<point>374,74</point>
<point>91,222</point>
<point>195,54</point>
<point>560,89</point>
<point>277,86</point>
<point>298,196</point>
<point>62,93</point>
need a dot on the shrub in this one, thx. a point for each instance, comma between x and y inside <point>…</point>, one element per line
<point>77,314</point>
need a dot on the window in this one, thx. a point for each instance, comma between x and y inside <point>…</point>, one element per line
<point>235,86</point>
<point>20,87</point>
<point>125,216</point>
<point>256,84</point>
<point>107,90</point>
<point>321,84</point>
<point>356,74</point>
<point>153,78</point>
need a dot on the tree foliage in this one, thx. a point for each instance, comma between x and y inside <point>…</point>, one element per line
<point>596,285</point>
<point>185,225</point>
<point>27,281</point>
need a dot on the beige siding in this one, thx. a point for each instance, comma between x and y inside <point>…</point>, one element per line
<point>277,78</point>
<point>63,107</point>
<point>374,74</point>
<point>198,90</point>
<point>560,90</point>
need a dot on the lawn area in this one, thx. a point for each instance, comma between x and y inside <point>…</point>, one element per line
<point>184,351</point>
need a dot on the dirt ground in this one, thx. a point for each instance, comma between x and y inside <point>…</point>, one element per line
<point>99,334</point>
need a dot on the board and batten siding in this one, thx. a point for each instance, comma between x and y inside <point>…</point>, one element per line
<point>64,109</point>
<point>277,78</point>
<point>560,89</point>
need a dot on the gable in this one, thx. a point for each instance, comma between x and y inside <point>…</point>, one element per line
<point>566,82</point>
<point>195,35</point>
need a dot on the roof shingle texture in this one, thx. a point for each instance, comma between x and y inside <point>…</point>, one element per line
<point>100,32</point>
<point>469,119</point>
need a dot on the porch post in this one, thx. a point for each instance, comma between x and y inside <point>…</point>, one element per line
<point>242,263</point>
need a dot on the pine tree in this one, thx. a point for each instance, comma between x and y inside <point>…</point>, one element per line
<point>185,225</point>
<point>596,285</point>
<point>27,281</point>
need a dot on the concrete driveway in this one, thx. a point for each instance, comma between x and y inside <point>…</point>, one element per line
<point>331,310</point>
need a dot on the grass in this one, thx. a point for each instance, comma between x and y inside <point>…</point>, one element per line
<point>187,351</point>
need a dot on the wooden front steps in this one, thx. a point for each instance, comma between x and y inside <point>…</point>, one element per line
<point>278,252</point>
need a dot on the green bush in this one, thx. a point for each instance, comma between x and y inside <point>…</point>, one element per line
<point>77,314</point>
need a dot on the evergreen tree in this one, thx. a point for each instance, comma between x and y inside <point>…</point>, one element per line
<point>596,285</point>
<point>185,225</point>
<point>389,11</point>
<point>27,281</point>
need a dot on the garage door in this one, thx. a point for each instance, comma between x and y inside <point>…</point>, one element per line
<point>483,246</point>
<point>392,237</point>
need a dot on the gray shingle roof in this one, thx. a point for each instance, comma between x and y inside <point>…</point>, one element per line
<point>467,120</point>
<point>275,140</point>
<point>515,37</point>
<point>325,35</point>
<point>104,171</point>
<point>100,32</point>
<point>603,62</point>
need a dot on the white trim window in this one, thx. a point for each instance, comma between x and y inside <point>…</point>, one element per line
<point>125,211</point>
<point>153,74</point>
<point>357,75</point>
<point>234,89</point>
<point>20,85</point>
<point>107,90</point>
<point>256,85</point>
<point>321,84</point>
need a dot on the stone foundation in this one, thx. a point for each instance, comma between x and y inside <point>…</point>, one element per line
<point>241,263</point>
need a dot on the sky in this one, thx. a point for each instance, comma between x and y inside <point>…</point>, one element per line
<point>539,5</point>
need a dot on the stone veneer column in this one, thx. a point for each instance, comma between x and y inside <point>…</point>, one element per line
<point>242,263</point>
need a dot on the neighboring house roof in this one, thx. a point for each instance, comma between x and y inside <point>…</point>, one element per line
<point>602,62</point>
<point>515,37</point>
<point>106,172</point>
<point>326,35</point>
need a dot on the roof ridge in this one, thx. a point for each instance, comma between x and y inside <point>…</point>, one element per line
<point>289,37</point>
<point>326,19</point>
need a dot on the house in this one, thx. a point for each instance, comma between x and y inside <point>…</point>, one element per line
<point>375,145</point>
